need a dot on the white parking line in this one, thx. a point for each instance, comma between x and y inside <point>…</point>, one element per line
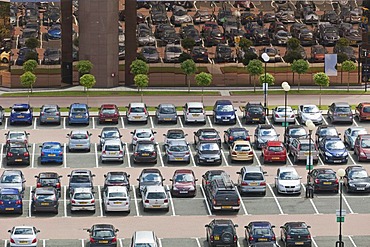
<point>120,242</point>
<point>100,202</point>
<point>6,123</point>
<point>96,155</point>
<point>34,123</point>
<point>276,200</point>
<point>205,199</point>
<point>323,118</point>
<point>160,242</point>
<point>353,242</point>
<point>65,155</point>
<point>192,157</point>
<point>5,242</point>
<point>82,242</point>
<point>180,121</point>
<point>29,203</point>
<point>210,122</point>
<point>128,155</point>
<point>196,239</point>
<point>312,203</point>
<point>1,155</point>
<point>136,205</point>
<point>241,201</point>
<point>290,162</point>
<point>240,124</point>
<point>160,154</point>
<point>256,158</point>
<point>64,123</point>
<point>349,207</point>
<point>350,156</point>
<point>354,121</point>
<point>122,123</point>
<point>93,122</point>
<point>322,162</point>
<point>43,243</point>
<point>65,200</point>
<point>33,155</point>
<point>224,157</point>
<point>151,122</point>
<point>172,205</point>
<point>314,242</point>
<point>296,121</point>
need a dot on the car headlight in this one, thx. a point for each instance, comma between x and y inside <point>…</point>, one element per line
<point>218,117</point>
<point>232,116</point>
<point>345,154</point>
<point>351,184</point>
<point>175,188</point>
<point>328,154</point>
<point>281,186</point>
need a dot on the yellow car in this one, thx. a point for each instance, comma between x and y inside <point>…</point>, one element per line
<point>241,150</point>
<point>5,56</point>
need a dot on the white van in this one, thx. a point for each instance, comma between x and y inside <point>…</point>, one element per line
<point>144,238</point>
<point>116,198</point>
<point>194,112</point>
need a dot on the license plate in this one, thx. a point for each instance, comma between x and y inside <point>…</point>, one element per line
<point>343,115</point>
<point>337,161</point>
<point>184,192</point>
<point>306,153</point>
<point>18,160</point>
<point>113,153</point>
<point>51,155</point>
<point>108,120</point>
<point>23,242</point>
<point>117,202</point>
<point>83,203</point>
<point>145,154</point>
<point>217,238</point>
<point>9,209</point>
<point>137,117</point>
<point>262,239</point>
<point>327,183</point>
<point>275,158</point>
<point>299,243</point>
<point>360,188</point>
<point>178,158</point>
<point>226,207</point>
<point>20,116</point>
<point>103,241</point>
<point>79,145</point>
<point>156,206</point>
<point>210,160</point>
<point>167,119</point>
<point>367,117</point>
<point>78,116</point>
<point>49,118</point>
<point>45,204</point>
<point>253,184</point>
<point>243,153</point>
<point>256,119</point>
<point>195,115</point>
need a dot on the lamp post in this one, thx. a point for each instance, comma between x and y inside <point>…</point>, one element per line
<point>311,126</point>
<point>265,58</point>
<point>285,85</point>
<point>341,172</point>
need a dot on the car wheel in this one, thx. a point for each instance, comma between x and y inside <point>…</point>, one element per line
<point>88,150</point>
<point>146,121</point>
<point>56,211</point>
<point>145,209</point>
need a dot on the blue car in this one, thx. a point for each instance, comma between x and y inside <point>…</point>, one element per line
<point>10,201</point>
<point>259,231</point>
<point>51,152</point>
<point>224,112</point>
<point>55,32</point>
<point>21,113</point>
<point>78,114</point>
<point>333,150</point>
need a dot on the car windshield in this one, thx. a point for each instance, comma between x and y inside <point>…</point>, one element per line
<point>335,145</point>
<point>117,178</point>
<point>11,179</point>
<point>225,108</point>
<point>242,147</point>
<point>145,147</point>
<point>253,176</point>
<point>137,109</point>
<point>144,245</point>
<point>357,174</point>
<point>175,135</point>
<point>343,109</point>
<point>239,134</point>
<point>184,178</point>
<point>23,231</point>
<point>195,110</point>
<point>156,195</point>
<point>50,110</point>
<point>312,109</point>
<point>297,132</point>
<point>306,147</point>
<point>45,197</point>
<point>143,134</point>
<point>366,109</point>
<point>261,231</point>
<point>267,132</point>
<point>179,148</point>
<point>149,51</point>
<point>209,147</point>
<point>103,234</point>
<point>174,49</point>
<point>52,146</point>
<point>275,148</point>
<point>16,135</point>
<point>151,177</point>
<point>328,132</point>
<point>358,132</point>
<point>80,179</point>
<point>365,143</point>
<point>298,231</point>
<point>255,110</point>
<point>112,148</point>
<point>288,176</point>
<point>79,136</point>
<point>282,109</point>
<point>167,110</point>
<point>83,196</point>
<point>17,150</point>
<point>108,110</point>
<point>117,194</point>
<point>110,134</point>
<point>220,229</point>
<point>328,175</point>
<point>209,134</point>
<point>20,110</point>
<point>9,197</point>
<point>78,110</point>
<point>48,181</point>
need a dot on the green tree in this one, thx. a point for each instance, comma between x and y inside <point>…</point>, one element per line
<point>299,66</point>
<point>293,44</point>
<point>30,65</point>
<point>342,42</point>
<point>341,57</point>
<point>204,80</point>
<point>84,67</point>
<point>28,79</point>
<point>322,80</point>
<point>184,56</point>
<point>348,66</point>
<point>87,81</point>
<point>141,81</point>
<point>138,67</point>
<point>292,55</point>
<point>248,56</point>
<point>189,68</point>
<point>254,68</point>
<point>188,43</point>
<point>269,79</point>
<point>32,43</point>
<point>32,55</point>
<point>245,43</point>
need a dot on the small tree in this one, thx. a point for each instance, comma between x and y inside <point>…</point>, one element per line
<point>30,65</point>
<point>341,57</point>
<point>32,43</point>
<point>292,55</point>
<point>32,55</point>
<point>321,79</point>
<point>184,56</point>
<point>342,42</point>
<point>138,67</point>
<point>141,81</point>
<point>300,66</point>
<point>87,81</point>
<point>348,66</point>
<point>28,79</point>
<point>189,68</point>
<point>248,56</point>
<point>245,43</point>
<point>204,80</point>
<point>84,67</point>
<point>188,43</point>
<point>293,44</point>
<point>269,79</point>
<point>254,68</point>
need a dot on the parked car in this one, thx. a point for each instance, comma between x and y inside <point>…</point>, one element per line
<point>234,134</point>
<point>155,197</point>
<point>183,183</point>
<point>309,112</point>
<point>202,15</point>
<point>80,178</point>
<point>356,179</point>
<point>296,233</point>
<point>145,152</point>
<point>137,112</point>
<point>145,238</point>
<point>50,114</point>
<point>52,56</point>
<point>21,113</point>
<point>280,38</point>
<point>108,134</point>
<point>208,153</point>
<point>224,112</point>
<point>362,147</point>
<point>78,114</point>
<point>23,236</point>
<point>166,113</point>
<point>113,150</point>
<point>82,199</point>
<point>13,179</point>
<point>149,177</point>
<point>102,235</point>
<point>325,130</point>
<point>287,181</point>
<point>224,54</point>
<point>259,232</point>
<point>142,135</point>
<point>264,133</point>
<point>274,151</point>
<point>299,149</point>
<point>207,134</point>
<point>177,151</point>
<point>172,53</point>
<point>51,152</point>
<point>318,53</point>
<point>180,16</point>
<point>174,135</point>
<point>221,232</point>
<point>251,179</point>
<point>351,134</point>
<point>79,140</point>
<point>254,113</point>
<point>108,113</point>
<point>340,112</point>
<point>210,175</point>
<point>49,179</point>
<point>194,112</point>
<point>294,131</point>
<point>273,53</point>
<point>11,201</point>
<point>116,198</point>
<point>45,199</point>
<point>323,179</point>
<point>362,111</point>
<point>16,136</point>
<point>279,112</point>
<point>54,32</point>
<point>117,178</point>
<point>199,54</point>
<point>241,151</point>
<point>333,150</point>
<point>150,54</point>
<point>17,153</point>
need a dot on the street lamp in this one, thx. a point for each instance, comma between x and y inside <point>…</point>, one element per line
<point>265,58</point>
<point>285,85</point>
<point>341,172</point>
<point>311,126</point>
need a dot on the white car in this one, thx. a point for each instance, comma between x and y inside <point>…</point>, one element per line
<point>309,112</point>
<point>144,238</point>
<point>142,135</point>
<point>278,114</point>
<point>174,135</point>
<point>82,199</point>
<point>16,136</point>
<point>137,112</point>
<point>116,198</point>
<point>23,236</point>
<point>287,181</point>
<point>194,112</point>
<point>113,150</point>
<point>155,197</point>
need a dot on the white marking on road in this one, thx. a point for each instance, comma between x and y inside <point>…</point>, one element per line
<point>151,122</point>
<point>41,42</point>
<point>122,123</point>
<point>196,240</point>
<point>6,123</point>
<point>314,242</point>
<point>65,200</point>
<point>349,207</point>
<point>290,162</point>
<point>172,205</point>
<point>93,122</point>
<point>160,154</point>
<point>205,199</point>
<point>350,156</point>
<point>296,121</point>
<point>240,124</point>
<point>267,120</point>
<point>182,126</point>
<point>276,200</point>
<point>33,156</point>
<point>100,202</point>
<point>241,201</point>
<point>210,122</point>
<point>5,242</point>
<point>322,162</point>
<point>312,203</point>
<point>354,121</point>
<point>43,243</point>
<point>82,243</point>
<point>224,157</point>
<point>34,123</point>
<point>29,203</point>
<point>64,123</point>
<point>237,244</point>
<point>1,155</point>
<point>257,158</point>
<point>120,242</point>
<point>160,242</point>
<point>96,155</point>
<point>65,155</point>
<point>192,156</point>
<point>136,205</point>
<point>128,155</point>
<point>323,118</point>
<point>353,242</point>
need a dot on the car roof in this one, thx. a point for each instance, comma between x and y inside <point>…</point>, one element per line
<point>215,172</point>
<point>110,129</point>
<point>82,190</point>
<point>12,172</point>
<point>341,104</point>
<point>117,173</point>
<point>365,136</point>
<point>41,190</point>
<point>177,143</point>
<point>325,170</point>
<point>260,223</point>
<point>54,143</point>
<point>242,142</point>
<point>155,188</point>
<point>23,227</point>
<point>287,169</point>
<point>175,131</point>
<point>144,142</point>
<point>208,130</point>
<point>265,126</point>
<point>144,237</point>
<point>9,191</point>
<point>223,102</point>
<point>143,130</point>
<point>117,189</point>
<point>195,104</point>
<point>102,226</point>
<point>21,106</point>
<point>113,142</point>
<point>297,224</point>
<point>223,221</point>
<point>357,128</point>
<point>78,105</point>
<point>108,106</point>
<point>274,143</point>
<point>166,105</point>
<point>79,171</point>
<point>151,170</point>
<point>183,171</point>
<point>253,169</point>
<point>137,104</point>
<point>79,131</point>
<point>48,175</point>
<point>50,106</point>
<point>295,126</point>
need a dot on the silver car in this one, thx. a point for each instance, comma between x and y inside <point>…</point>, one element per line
<point>2,115</point>
<point>310,112</point>
<point>116,198</point>
<point>166,113</point>
<point>13,179</point>
<point>137,112</point>
<point>208,153</point>
<point>177,151</point>
<point>172,53</point>
<point>252,180</point>
<point>109,133</point>
<point>16,136</point>
<point>287,181</point>
<point>50,114</point>
<point>82,199</point>
<point>155,197</point>
<point>79,140</point>
<point>351,134</point>
<point>174,135</point>
<point>278,114</point>
<point>113,150</point>
<point>142,135</point>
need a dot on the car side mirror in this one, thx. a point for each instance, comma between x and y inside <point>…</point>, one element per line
<point>339,134</point>
<point>196,179</point>
<point>164,135</point>
<point>278,134</point>
<point>68,175</point>
<point>68,135</point>
<point>171,179</point>
<point>105,175</point>
<point>264,172</point>
<point>154,132</point>
<point>137,179</point>
<point>204,226</point>
<point>131,132</point>
<point>236,225</point>
<point>90,134</point>
<point>117,230</point>
<point>99,136</point>
<point>308,226</point>
<point>93,175</point>
<point>204,176</point>
<point>186,134</point>
<point>238,173</point>
<point>40,146</point>
<point>272,226</point>
<point>36,176</point>
<point>9,231</point>
<point>23,181</point>
<point>281,227</point>
<point>32,191</point>
<point>195,133</point>
<point>60,176</point>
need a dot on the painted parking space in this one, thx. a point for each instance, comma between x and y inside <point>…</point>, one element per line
<point>83,158</point>
<point>63,242</point>
<point>327,203</point>
<point>179,242</point>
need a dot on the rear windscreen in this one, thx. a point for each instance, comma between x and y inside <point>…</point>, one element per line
<point>195,110</point>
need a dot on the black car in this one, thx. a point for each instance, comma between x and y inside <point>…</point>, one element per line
<point>51,56</point>
<point>17,153</point>
<point>23,54</point>
<point>356,179</point>
<point>213,37</point>
<point>169,37</point>
<point>221,232</point>
<point>296,234</point>
<point>260,36</point>
<point>294,131</point>
<point>327,34</point>
<point>325,130</point>
<point>348,50</point>
<point>102,235</point>
<point>148,177</point>
<point>45,199</point>
<point>202,16</point>
<point>145,152</point>
<point>49,179</point>
<point>162,28</point>
<point>259,232</point>
<point>117,179</point>
<point>199,54</point>
<point>150,54</point>
<point>209,176</point>
<point>323,179</point>
<point>306,37</point>
<point>296,28</point>
<point>254,113</point>
<point>234,134</point>
<point>331,16</point>
<point>207,134</point>
<point>233,35</point>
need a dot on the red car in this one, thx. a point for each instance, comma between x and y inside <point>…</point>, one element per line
<point>362,147</point>
<point>183,183</point>
<point>274,151</point>
<point>108,113</point>
<point>362,111</point>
